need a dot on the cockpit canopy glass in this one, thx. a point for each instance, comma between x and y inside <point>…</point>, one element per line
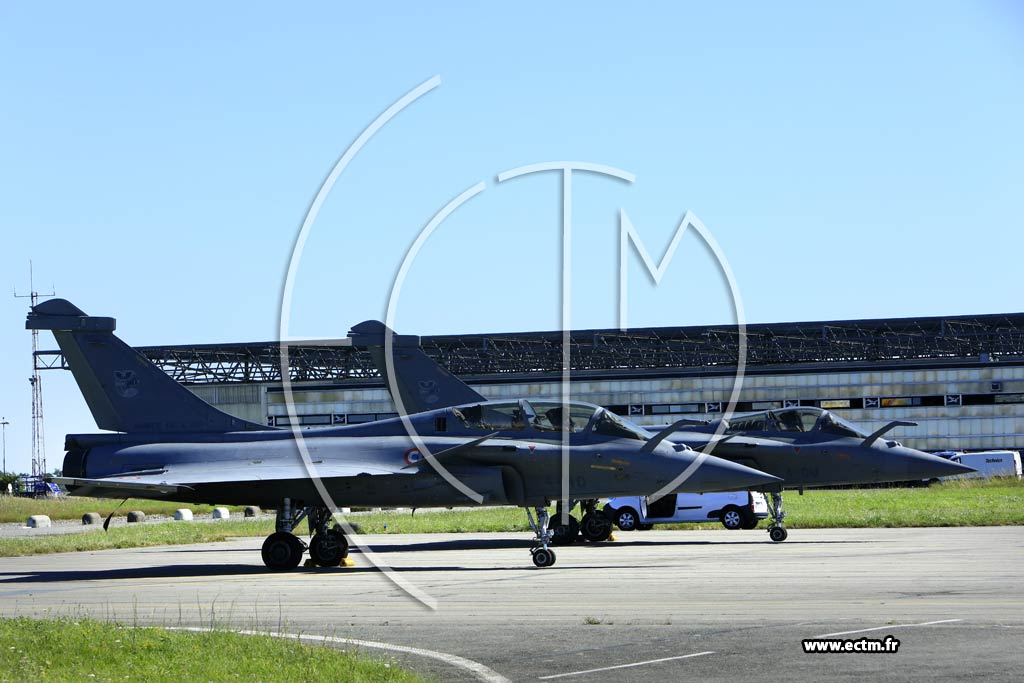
<point>796,419</point>
<point>802,419</point>
<point>833,424</point>
<point>610,424</point>
<point>518,415</point>
<point>546,416</point>
<point>492,417</point>
<point>549,416</point>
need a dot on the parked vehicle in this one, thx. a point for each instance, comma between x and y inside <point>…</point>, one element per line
<point>734,509</point>
<point>34,486</point>
<point>987,463</point>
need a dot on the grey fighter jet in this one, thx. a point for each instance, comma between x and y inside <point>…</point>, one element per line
<point>808,447</point>
<point>802,446</point>
<point>171,445</point>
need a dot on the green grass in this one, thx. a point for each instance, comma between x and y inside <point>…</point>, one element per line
<point>87,650</point>
<point>17,509</point>
<point>997,502</point>
<point>457,521</point>
<point>956,503</point>
<point>135,536</point>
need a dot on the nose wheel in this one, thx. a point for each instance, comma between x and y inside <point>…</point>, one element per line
<point>543,557</point>
<point>776,531</point>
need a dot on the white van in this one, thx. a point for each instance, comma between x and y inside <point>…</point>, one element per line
<point>734,509</point>
<point>987,463</point>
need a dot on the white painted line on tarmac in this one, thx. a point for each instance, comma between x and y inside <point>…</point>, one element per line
<point>478,670</point>
<point>625,666</point>
<point>886,628</point>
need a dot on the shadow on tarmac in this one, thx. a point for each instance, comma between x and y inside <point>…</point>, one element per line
<point>501,543</point>
<point>214,570</point>
<point>210,570</point>
<point>165,572</point>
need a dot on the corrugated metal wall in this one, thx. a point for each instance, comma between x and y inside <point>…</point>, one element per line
<point>940,427</point>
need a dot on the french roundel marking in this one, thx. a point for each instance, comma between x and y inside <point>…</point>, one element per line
<point>413,455</point>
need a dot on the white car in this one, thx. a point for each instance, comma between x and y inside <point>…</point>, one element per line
<point>987,463</point>
<point>734,509</point>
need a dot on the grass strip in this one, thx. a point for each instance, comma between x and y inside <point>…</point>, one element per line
<point>997,502</point>
<point>18,509</point>
<point>89,650</point>
<point>135,536</point>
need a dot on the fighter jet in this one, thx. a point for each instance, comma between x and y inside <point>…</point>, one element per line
<point>803,446</point>
<point>171,445</point>
<point>807,446</point>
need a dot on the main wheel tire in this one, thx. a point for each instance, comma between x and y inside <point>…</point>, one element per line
<point>778,534</point>
<point>564,534</point>
<point>329,549</point>
<point>627,519</point>
<point>282,551</point>
<point>543,557</point>
<point>595,527</point>
<point>732,518</point>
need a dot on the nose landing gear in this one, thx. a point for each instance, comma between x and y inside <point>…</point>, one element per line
<point>776,531</point>
<point>543,556</point>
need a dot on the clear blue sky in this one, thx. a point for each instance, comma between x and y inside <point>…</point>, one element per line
<point>853,161</point>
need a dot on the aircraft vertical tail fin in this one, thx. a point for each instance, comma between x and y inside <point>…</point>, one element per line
<point>124,390</point>
<point>421,382</point>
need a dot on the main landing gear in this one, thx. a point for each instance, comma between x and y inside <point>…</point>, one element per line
<point>595,526</point>
<point>776,531</point>
<point>329,546</point>
<point>564,534</point>
<point>283,550</point>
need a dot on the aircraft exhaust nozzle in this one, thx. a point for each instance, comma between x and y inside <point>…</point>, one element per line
<point>716,474</point>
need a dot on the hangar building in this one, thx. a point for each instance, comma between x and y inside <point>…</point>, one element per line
<point>960,378</point>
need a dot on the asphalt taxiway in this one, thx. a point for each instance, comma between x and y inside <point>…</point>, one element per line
<point>660,605</point>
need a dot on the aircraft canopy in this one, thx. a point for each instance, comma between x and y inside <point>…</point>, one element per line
<point>546,416</point>
<point>802,419</point>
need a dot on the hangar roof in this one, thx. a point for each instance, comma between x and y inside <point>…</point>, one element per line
<point>650,351</point>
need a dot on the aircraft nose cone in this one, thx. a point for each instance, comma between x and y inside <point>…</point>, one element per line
<point>716,474</point>
<point>927,466</point>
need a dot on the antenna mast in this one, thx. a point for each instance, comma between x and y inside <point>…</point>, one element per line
<point>38,435</point>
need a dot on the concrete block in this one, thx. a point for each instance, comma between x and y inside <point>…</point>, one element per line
<point>251,511</point>
<point>183,515</point>
<point>136,516</point>
<point>37,521</point>
<point>92,518</point>
<point>221,513</point>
